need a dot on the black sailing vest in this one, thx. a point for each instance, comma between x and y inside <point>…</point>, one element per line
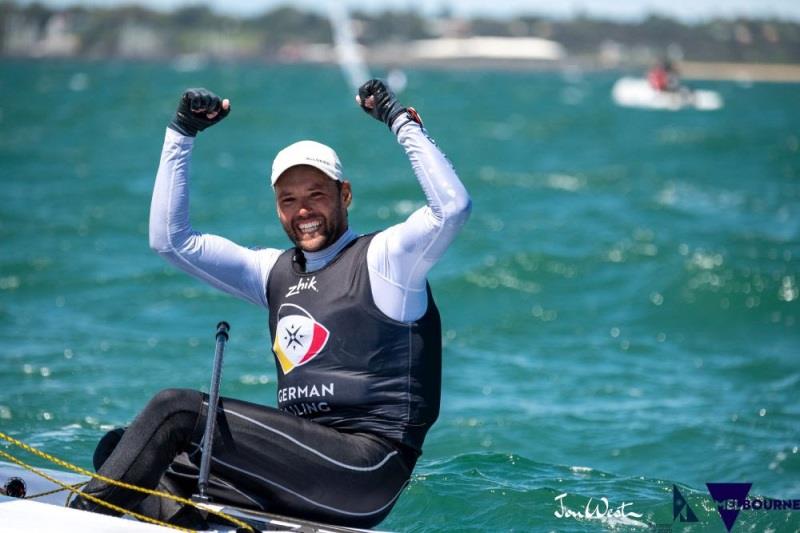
<point>341,362</point>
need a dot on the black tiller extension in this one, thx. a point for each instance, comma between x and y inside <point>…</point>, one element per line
<point>211,418</point>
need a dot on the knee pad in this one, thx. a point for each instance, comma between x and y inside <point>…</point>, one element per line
<point>106,446</point>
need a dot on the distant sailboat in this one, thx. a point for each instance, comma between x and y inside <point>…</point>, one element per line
<point>348,51</point>
<point>350,56</point>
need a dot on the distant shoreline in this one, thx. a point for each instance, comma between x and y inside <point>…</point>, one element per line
<point>742,72</point>
<point>196,35</point>
<point>689,70</point>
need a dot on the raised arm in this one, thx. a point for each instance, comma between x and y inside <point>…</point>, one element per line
<point>223,264</point>
<point>401,256</point>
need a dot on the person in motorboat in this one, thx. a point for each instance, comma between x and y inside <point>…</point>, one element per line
<point>664,77</point>
<point>356,338</point>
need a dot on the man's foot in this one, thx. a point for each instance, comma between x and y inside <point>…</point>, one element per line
<point>190,518</point>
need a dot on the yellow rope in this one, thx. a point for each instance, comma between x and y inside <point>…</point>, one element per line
<point>110,481</point>
<point>49,492</point>
<point>89,496</point>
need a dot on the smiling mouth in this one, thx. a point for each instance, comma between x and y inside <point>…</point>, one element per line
<point>309,227</point>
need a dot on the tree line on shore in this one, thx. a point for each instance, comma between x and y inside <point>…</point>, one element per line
<point>135,31</point>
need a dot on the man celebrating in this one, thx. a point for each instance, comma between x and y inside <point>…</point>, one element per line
<point>355,331</point>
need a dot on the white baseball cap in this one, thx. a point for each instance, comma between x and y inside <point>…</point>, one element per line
<point>311,153</point>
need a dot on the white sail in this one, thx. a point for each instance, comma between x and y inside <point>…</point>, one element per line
<point>348,51</point>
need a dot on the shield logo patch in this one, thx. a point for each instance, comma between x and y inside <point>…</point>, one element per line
<point>299,338</point>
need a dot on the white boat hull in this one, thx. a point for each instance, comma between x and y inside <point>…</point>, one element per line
<point>29,516</point>
<point>48,513</point>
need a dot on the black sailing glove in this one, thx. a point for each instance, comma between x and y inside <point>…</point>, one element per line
<point>193,111</point>
<point>385,106</point>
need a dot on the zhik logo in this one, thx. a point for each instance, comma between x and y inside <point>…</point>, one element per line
<point>302,285</point>
<point>680,507</point>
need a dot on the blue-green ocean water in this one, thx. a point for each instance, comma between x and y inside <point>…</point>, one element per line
<point>620,313</point>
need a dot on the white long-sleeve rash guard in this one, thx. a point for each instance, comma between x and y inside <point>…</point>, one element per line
<point>399,257</point>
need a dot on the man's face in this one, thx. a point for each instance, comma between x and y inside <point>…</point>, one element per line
<point>311,207</point>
